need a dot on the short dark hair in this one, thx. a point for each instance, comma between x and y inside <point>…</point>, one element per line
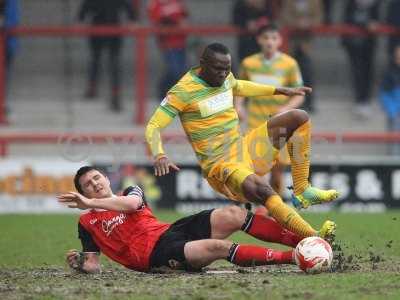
<point>217,48</point>
<point>272,27</point>
<point>82,171</point>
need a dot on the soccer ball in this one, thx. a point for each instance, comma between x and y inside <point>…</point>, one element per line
<point>313,255</point>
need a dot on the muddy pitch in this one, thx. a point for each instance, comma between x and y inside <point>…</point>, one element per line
<point>119,283</point>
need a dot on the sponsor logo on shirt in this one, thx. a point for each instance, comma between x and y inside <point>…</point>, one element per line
<point>267,79</point>
<point>109,225</point>
<point>93,221</point>
<point>216,103</point>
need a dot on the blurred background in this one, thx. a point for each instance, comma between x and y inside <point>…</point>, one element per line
<point>79,80</point>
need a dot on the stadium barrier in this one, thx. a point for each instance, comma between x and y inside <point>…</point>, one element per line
<point>141,35</point>
<point>29,184</point>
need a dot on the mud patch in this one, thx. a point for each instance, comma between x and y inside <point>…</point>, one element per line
<point>216,282</point>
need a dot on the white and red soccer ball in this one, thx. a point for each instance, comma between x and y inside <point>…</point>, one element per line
<point>313,255</point>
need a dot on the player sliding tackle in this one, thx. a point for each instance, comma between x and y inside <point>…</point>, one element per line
<point>233,164</point>
<point>125,229</point>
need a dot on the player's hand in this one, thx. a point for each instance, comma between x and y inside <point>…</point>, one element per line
<point>297,91</point>
<point>72,259</point>
<point>84,262</point>
<point>162,165</point>
<point>75,200</point>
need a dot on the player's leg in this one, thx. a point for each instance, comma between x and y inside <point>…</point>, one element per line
<point>227,220</point>
<point>276,180</point>
<point>95,48</point>
<point>257,189</point>
<point>115,44</point>
<point>189,244</point>
<point>294,128</point>
<point>202,253</point>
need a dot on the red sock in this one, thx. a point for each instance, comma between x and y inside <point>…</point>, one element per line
<point>268,230</point>
<point>249,255</point>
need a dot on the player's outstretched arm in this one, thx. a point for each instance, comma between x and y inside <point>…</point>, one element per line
<point>245,88</point>
<point>294,102</point>
<point>295,91</point>
<point>84,262</point>
<point>157,122</point>
<point>251,89</point>
<point>120,203</point>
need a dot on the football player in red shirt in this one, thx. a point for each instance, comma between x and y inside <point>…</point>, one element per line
<point>125,229</point>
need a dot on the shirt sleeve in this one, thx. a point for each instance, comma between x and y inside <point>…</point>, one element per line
<point>243,74</point>
<point>172,105</point>
<point>251,89</point>
<point>88,244</point>
<point>294,76</point>
<point>160,119</point>
<point>136,191</point>
<point>163,116</point>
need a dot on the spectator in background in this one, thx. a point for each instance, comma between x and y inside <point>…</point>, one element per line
<point>170,13</point>
<point>327,9</point>
<point>9,18</point>
<point>361,51</point>
<point>393,19</point>
<point>251,15</point>
<point>390,96</point>
<point>105,12</point>
<point>302,15</point>
<point>270,66</point>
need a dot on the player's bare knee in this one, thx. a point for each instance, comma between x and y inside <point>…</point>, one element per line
<point>249,190</point>
<point>219,247</point>
<point>257,191</point>
<point>234,216</point>
<point>299,116</point>
<point>265,191</point>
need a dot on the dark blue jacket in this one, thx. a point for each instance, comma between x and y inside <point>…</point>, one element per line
<point>389,94</point>
<point>393,19</point>
<point>11,19</point>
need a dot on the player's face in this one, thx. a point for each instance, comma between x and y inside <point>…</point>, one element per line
<point>269,42</point>
<point>95,185</point>
<point>215,68</point>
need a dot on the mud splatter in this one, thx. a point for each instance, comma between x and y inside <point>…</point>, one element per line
<point>341,261</point>
<point>389,244</point>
